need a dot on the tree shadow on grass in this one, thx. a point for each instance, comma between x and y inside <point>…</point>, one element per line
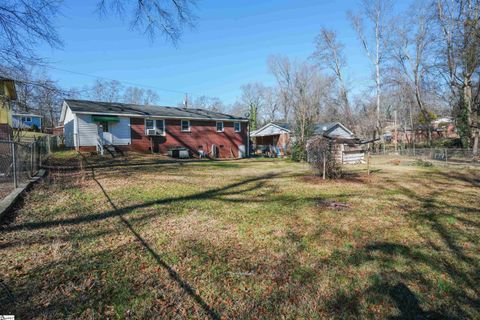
<point>209,194</point>
<point>444,227</point>
<point>120,212</point>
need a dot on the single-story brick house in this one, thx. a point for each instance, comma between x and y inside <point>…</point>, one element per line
<point>89,125</point>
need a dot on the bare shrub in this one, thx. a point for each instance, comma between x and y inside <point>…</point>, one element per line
<point>320,153</point>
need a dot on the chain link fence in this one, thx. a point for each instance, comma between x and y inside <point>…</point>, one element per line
<point>447,155</point>
<point>19,162</point>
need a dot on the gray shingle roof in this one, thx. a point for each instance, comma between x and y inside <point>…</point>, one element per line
<point>114,108</point>
<point>328,127</point>
<point>283,125</point>
<point>320,128</point>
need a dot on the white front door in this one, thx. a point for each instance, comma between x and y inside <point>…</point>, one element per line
<point>103,132</point>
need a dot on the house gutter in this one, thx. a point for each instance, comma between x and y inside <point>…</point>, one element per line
<point>158,117</point>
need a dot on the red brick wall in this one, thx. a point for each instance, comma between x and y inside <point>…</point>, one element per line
<point>202,135</point>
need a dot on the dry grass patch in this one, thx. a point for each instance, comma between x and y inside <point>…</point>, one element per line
<point>244,239</point>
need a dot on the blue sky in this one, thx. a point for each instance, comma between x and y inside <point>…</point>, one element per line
<point>229,46</point>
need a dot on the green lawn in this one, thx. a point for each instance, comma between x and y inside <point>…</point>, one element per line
<point>244,239</point>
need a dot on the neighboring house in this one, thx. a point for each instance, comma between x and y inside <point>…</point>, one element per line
<point>8,94</point>
<point>273,137</point>
<point>89,125</point>
<point>26,121</point>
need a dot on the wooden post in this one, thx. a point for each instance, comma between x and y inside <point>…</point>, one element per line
<point>14,165</point>
<point>368,163</point>
<point>324,164</point>
<point>32,158</point>
<point>48,146</point>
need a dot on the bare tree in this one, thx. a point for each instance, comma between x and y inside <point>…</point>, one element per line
<point>306,91</point>
<point>460,30</point>
<point>151,97</point>
<point>375,12</point>
<point>108,91</point>
<point>281,67</point>
<point>253,101</point>
<point>23,26</point>
<point>271,98</point>
<point>329,54</point>
<point>412,49</point>
<point>153,17</point>
<point>209,103</point>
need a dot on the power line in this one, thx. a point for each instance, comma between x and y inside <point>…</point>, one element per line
<point>124,82</point>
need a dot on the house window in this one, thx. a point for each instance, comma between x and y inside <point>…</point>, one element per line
<point>185,125</point>
<point>149,124</point>
<point>29,119</point>
<point>237,126</point>
<point>219,126</point>
<point>157,125</point>
<point>160,126</point>
<point>24,119</point>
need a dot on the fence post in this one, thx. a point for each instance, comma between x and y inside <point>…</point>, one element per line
<point>14,165</point>
<point>48,146</point>
<point>368,163</point>
<point>39,156</point>
<point>446,156</point>
<point>32,157</point>
<point>324,163</point>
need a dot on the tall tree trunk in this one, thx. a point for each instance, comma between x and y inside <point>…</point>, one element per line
<point>467,97</point>
<point>377,71</point>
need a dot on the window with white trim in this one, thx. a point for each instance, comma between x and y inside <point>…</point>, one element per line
<point>237,126</point>
<point>158,125</point>
<point>149,124</point>
<point>219,126</point>
<point>185,125</point>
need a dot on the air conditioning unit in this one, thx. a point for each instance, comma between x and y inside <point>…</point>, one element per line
<point>152,132</point>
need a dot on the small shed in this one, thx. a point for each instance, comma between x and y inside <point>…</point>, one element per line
<point>346,146</point>
<point>274,138</point>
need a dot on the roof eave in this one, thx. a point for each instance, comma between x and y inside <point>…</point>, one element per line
<point>132,115</point>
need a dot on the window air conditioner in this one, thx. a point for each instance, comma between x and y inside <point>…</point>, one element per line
<point>152,132</point>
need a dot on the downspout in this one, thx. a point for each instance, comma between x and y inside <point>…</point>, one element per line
<point>75,132</point>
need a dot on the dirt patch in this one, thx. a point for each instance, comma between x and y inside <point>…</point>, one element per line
<point>395,162</point>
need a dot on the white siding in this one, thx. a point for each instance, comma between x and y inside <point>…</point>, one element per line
<point>120,131</point>
<point>87,130</point>
<point>69,129</point>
